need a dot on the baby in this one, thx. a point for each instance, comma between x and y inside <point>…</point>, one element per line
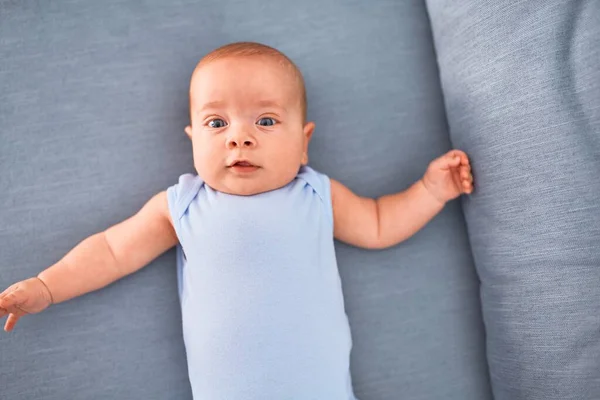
<point>261,299</point>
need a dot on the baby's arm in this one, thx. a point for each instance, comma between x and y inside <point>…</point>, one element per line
<point>96,262</point>
<point>391,219</point>
<point>110,255</point>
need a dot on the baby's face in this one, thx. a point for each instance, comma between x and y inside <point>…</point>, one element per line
<point>248,130</point>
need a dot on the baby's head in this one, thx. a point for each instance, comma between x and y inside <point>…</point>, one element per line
<point>248,119</point>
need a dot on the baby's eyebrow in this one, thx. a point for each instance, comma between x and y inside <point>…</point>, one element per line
<point>270,104</point>
<point>219,104</point>
<point>211,105</point>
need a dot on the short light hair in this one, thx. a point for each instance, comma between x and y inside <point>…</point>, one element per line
<point>252,49</point>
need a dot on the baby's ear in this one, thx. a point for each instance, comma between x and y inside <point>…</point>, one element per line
<point>308,130</point>
<point>188,131</point>
<point>304,160</point>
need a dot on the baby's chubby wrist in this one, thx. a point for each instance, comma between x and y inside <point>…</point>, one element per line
<point>47,289</point>
<point>429,189</point>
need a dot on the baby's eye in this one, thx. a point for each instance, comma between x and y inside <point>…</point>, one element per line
<point>217,123</point>
<point>266,122</point>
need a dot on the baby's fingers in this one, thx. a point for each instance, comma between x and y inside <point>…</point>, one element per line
<point>12,301</point>
<point>8,299</point>
<point>447,161</point>
<point>464,159</point>
<point>465,173</point>
<point>467,181</point>
<point>467,187</point>
<point>11,322</point>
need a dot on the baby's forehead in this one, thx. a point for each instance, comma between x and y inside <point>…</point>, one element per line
<point>207,71</point>
<point>255,62</point>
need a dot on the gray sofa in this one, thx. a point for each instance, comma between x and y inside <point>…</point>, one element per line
<point>498,297</point>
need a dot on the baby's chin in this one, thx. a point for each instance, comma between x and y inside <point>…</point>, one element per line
<point>246,187</point>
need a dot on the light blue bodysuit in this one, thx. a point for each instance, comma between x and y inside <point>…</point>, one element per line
<point>261,297</point>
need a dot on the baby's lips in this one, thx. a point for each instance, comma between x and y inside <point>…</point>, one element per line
<point>242,163</point>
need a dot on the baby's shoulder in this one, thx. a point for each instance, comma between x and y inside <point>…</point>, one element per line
<point>320,184</point>
<point>182,193</point>
<point>317,180</point>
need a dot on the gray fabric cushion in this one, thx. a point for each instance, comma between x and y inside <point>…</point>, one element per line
<point>94,102</point>
<point>522,90</point>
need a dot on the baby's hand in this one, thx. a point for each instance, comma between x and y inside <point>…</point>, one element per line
<point>26,297</point>
<point>449,176</point>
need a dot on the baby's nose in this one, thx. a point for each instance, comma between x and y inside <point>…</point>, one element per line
<point>240,141</point>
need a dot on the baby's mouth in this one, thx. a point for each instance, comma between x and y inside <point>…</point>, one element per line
<point>243,166</point>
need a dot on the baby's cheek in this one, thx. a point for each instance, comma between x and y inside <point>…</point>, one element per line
<point>202,149</point>
<point>202,161</point>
